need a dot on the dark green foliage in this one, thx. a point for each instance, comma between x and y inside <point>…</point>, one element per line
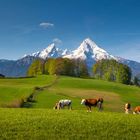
<point>123,74</point>
<point>2,76</point>
<point>36,68</point>
<point>136,80</point>
<point>68,67</point>
<point>58,66</point>
<point>111,70</point>
<point>49,67</point>
<point>80,68</point>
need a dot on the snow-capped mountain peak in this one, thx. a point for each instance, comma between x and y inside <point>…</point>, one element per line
<point>89,50</point>
<point>50,51</point>
<point>66,52</point>
<point>91,43</point>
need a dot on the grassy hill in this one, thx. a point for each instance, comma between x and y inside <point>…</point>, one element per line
<point>114,94</point>
<point>40,121</point>
<point>12,91</point>
<point>55,88</point>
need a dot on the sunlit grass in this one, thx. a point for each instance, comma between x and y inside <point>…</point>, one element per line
<point>12,90</point>
<point>115,95</point>
<point>65,124</point>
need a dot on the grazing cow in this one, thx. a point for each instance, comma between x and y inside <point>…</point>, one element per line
<point>136,110</point>
<point>62,103</point>
<point>92,102</point>
<point>127,108</point>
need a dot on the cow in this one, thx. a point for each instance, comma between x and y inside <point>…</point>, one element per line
<point>136,110</point>
<point>92,102</point>
<point>127,108</point>
<point>62,103</point>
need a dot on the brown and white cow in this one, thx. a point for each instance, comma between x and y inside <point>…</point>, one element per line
<point>92,102</point>
<point>136,110</point>
<point>127,108</point>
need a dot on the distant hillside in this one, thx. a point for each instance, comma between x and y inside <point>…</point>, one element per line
<point>11,68</point>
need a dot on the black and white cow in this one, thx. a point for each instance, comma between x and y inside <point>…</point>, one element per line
<point>62,103</point>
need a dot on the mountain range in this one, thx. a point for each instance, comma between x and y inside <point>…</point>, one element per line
<point>87,51</point>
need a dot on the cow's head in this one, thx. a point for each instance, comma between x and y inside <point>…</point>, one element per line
<point>100,100</point>
<point>56,106</point>
<point>83,101</point>
<point>134,112</point>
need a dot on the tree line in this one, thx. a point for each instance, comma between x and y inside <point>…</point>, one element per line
<point>58,66</point>
<point>105,69</point>
<point>136,80</point>
<point>111,70</point>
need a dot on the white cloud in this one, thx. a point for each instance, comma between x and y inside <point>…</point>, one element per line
<point>46,24</point>
<point>57,41</point>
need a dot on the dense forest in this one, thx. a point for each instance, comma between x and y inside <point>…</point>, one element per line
<point>111,70</point>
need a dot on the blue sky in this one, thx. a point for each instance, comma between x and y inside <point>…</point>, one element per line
<point>28,26</point>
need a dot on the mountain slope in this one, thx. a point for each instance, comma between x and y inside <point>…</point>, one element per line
<point>50,52</point>
<point>87,51</point>
<point>135,66</point>
<point>19,67</point>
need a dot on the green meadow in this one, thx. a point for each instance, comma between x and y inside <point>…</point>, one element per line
<point>12,91</point>
<point>40,121</point>
<point>47,124</point>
